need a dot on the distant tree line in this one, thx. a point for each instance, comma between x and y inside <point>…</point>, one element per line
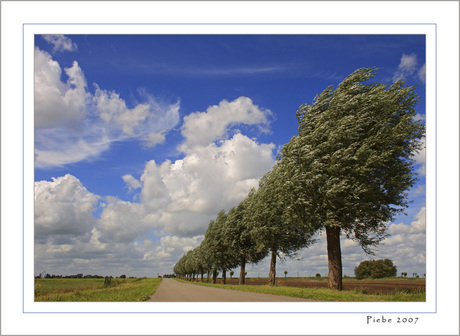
<point>75,276</point>
<point>346,173</point>
<point>169,275</point>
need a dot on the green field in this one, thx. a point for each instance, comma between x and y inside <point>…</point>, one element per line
<point>93,290</point>
<point>326,294</point>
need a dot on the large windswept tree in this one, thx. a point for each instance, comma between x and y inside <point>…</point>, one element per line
<point>351,165</point>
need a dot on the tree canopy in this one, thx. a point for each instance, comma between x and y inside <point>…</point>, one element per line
<point>375,269</point>
<point>351,164</point>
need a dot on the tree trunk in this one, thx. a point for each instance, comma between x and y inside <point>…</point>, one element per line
<point>202,275</point>
<point>272,274</point>
<point>224,276</point>
<point>242,270</point>
<point>214,276</point>
<point>334,256</point>
<point>207,277</point>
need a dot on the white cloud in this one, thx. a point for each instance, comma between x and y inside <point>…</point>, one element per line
<point>420,159</point>
<point>172,248</point>
<point>72,124</point>
<point>210,177</point>
<point>154,138</point>
<point>202,128</point>
<point>131,182</point>
<point>422,73</point>
<point>63,209</point>
<point>122,221</point>
<point>58,103</point>
<point>60,42</point>
<point>408,68</point>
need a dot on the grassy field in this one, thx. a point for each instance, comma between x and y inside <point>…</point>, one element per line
<point>325,294</point>
<point>125,290</point>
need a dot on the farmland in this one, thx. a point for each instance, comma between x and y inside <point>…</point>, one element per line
<point>93,290</point>
<point>389,289</point>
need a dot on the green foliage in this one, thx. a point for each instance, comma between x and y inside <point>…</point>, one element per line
<point>351,163</point>
<point>375,269</point>
<point>318,275</point>
<point>272,227</point>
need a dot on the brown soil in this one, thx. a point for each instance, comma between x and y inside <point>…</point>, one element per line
<point>364,286</point>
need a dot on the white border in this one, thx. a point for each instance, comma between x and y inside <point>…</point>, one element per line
<point>30,29</point>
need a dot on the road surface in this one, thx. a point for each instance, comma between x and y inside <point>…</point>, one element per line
<point>171,290</point>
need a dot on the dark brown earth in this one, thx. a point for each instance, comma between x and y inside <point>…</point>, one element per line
<point>385,286</point>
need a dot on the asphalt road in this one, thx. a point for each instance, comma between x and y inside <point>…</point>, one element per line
<point>171,290</point>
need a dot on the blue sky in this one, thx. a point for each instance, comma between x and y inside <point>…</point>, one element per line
<point>140,140</point>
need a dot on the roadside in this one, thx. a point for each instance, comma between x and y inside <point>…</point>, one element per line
<point>171,290</point>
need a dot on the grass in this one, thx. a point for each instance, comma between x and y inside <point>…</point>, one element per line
<point>324,294</point>
<point>93,290</point>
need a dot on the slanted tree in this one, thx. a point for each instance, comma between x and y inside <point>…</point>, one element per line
<point>351,164</point>
<point>237,235</point>
<point>272,228</point>
<point>223,257</point>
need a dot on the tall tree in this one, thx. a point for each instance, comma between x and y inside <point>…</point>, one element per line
<point>223,257</point>
<point>351,164</point>
<point>272,228</point>
<point>237,234</point>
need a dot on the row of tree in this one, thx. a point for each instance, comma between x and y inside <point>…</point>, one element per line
<point>347,173</point>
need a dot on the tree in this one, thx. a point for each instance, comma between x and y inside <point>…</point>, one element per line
<point>231,274</point>
<point>351,164</point>
<point>375,269</point>
<point>237,234</point>
<point>285,273</point>
<point>272,228</point>
<point>222,257</point>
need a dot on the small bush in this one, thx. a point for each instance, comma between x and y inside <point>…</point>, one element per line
<point>107,281</point>
<point>318,275</point>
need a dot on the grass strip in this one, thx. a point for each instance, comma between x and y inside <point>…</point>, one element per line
<point>124,291</point>
<point>322,294</point>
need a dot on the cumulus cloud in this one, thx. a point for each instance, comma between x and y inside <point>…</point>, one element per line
<point>60,42</point>
<point>58,103</point>
<point>172,248</point>
<point>72,124</point>
<point>122,221</point>
<point>210,177</point>
<point>202,128</point>
<point>63,209</point>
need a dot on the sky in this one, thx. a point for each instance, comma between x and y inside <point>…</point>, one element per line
<point>140,140</point>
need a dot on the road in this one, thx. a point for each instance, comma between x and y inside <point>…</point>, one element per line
<point>171,290</point>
